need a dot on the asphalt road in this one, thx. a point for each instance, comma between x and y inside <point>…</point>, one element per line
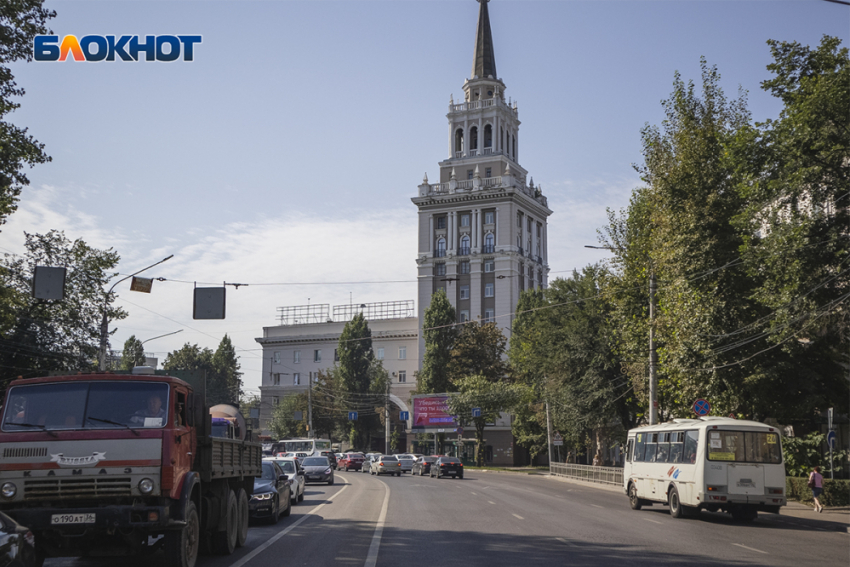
<point>492,519</point>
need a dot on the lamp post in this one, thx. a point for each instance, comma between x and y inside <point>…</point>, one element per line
<point>653,355</point>
<point>160,336</point>
<point>104,322</point>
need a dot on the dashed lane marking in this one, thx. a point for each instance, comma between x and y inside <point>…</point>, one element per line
<point>473,494</point>
<point>653,521</point>
<point>491,502</point>
<point>751,548</point>
<point>517,516</point>
<point>565,541</point>
<point>372,556</point>
<point>595,506</point>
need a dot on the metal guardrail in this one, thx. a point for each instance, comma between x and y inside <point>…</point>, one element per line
<point>588,473</point>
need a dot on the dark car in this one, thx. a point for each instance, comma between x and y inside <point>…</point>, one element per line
<point>318,469</point>
<point>446,466</point>
<point>272,494</point>
<point>331,458</point>
<point>351,462</point>
<point>17,544</point>
<point>422,466</point>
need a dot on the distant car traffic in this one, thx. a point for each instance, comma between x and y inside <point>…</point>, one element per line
<point>330,455</point>
<point>386,464</point>
<point>422,465</point>
<point>292,469</point>
<point>318,469</point>
<point>406,462</point>
<point>272,494</point>
<point>367,463</point>
<point>447,466</point>
<point>351,461</point>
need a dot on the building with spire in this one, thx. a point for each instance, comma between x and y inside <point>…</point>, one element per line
<point>482,228</point>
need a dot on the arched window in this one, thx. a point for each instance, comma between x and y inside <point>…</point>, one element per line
<point>488,136</point>
<point>464,245</point>
<point>489,243</point>
<point>473,138</point>
<point>514,146</point>
<point>441,247</point>
<point>459,140</point>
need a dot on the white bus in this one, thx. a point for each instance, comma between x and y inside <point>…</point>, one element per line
<point>309,446</point>
<point>710,463</point>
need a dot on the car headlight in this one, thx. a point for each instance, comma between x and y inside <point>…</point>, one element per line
<point>264,496</point>
<point>146,486</point>
<point>328,470</point>
<point>8,490</point>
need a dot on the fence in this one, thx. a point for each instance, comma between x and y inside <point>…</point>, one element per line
<point>588,473</point>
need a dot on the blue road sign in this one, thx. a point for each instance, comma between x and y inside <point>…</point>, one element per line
<point>476,412</point>
<point>830,439</point>
<point>404,415</point>
<point>701,407</point>
<point>352,416</point>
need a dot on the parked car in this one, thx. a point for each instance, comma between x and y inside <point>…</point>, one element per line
<point>422,465</point>
<point>351,461</point>
<point>406,462</point>
<point>447,466</point>
<point>386,464</point>
<point>272,494</point>
<point>293,470</point>
<point>318,469</point>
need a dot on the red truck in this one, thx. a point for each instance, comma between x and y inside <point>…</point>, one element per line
<point>107,464</point>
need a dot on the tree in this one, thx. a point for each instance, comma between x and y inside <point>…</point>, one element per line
<point>478,350</point>
<point>283,424</point>
<point>40,336</point>
<point>224,385</point>
<point>133,354</point>
<point>439,332</point>
<point>20,22</point>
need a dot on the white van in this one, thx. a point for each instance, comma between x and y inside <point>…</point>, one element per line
<point>710,463</point>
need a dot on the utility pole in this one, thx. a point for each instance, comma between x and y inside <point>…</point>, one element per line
<point>653,355</point>
<point>549,433</point>
<point>310,407</point>
<point>387,421</point>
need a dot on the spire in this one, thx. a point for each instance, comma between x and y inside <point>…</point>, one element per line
<point>483,59</point>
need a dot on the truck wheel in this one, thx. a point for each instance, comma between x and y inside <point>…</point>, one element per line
<point>635,503</point>
<point>224,542</point>
<point>242,526</point>
<point>181,546</point>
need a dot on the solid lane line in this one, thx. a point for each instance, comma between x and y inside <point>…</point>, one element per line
<point>279,535</point>
<point>491,502</point>
<point>751,548</point>
<point>562,540</point>
<point>372,556</point>
<point>518,516</point>
<point>595,506</point>
<point>653,521</point>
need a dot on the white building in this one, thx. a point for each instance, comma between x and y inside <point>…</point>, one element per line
<point>482,228</point>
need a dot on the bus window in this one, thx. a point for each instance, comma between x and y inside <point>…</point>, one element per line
<point>640,441</point>
<point>691,438</point>
<point>744,446</point>
<point>763,447</point>
<point>676,440</point>
<point>651,443</point>
<point>629,447</point>
<point>663,448</point>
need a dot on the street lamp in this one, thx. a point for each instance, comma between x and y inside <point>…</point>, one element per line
<point>653,355</point>
<point>104,322</point>
<point>160,336</point>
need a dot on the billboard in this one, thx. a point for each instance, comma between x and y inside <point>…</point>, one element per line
<point>430,412</point>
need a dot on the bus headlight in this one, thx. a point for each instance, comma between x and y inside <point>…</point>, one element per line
<point>8,490</point>
<point>146,486</point>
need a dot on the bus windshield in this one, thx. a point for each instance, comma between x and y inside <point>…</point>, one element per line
<point>744,446</point>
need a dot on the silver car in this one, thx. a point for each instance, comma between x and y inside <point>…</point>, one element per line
<point>317,469</point>
<point>406,462</point>
<point>386,464</point>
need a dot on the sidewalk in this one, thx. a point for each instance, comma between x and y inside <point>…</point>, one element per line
<point>802,511</point>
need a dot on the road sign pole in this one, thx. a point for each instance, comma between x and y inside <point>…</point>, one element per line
<point>549,434</point>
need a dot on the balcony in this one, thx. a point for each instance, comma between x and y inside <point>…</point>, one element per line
<point>488,249</point>
<point>488,151</point>
<point>439,253</point>
<point>463,251</point>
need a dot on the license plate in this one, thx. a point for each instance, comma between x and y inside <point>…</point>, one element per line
<point>315,477</point>
<point>57,519</point>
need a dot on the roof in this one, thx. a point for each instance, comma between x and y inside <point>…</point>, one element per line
<point>483,58</point>
<point>703,422</point>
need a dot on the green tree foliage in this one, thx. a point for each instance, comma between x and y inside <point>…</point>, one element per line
<point>355,355</point>
<point>20,22</point>
<point>283,424</point>
<point>478,350</point>
<point>802,454</point>
<point>440,333</point>
<point>40,336</point>
<point>224,385</point>
<point>133,354</point>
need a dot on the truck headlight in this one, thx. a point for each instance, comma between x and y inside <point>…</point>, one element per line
<point>8,490</point>
<point>146,486</point>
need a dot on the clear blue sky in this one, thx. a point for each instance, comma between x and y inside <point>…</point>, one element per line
<point>288,151</point>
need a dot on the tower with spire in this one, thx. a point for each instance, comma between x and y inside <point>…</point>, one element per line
<point>482,226</point>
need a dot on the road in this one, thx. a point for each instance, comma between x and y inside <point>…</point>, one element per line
<point>512,519</point>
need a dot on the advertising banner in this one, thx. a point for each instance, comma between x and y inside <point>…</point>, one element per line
<point>431,412</point>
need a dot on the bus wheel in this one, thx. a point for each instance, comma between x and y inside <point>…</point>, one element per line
<point>634,501</point>
<point>677,509</point>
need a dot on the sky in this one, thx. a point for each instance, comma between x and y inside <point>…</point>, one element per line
<point>286,154</point>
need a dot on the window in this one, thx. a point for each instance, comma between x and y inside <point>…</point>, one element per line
<point>469,173</point>
<point>296,357</point>
<point>296,379</point>
<point>275,400</point>
<point>489,266</point>
<point>488,290</point>
<point>489,315</point>
<point>317,355</point>
<point>640,441</point>
<point>464,267</point>
<point>464,220</point>
<point>651,443</point>
<point>529,224</point>
<point>314,376</point>
<point>380,354</point>
<point>488,172</point>
<point>488,218</point>
<point>488,133</point>
<point>441,222</point>
<point>473,138</point>
<point>464,292</point>
<point>519,220</point>
<point>336,355</point>
<point>277,357</point>
<point>677,438</point>
<point>402,376</point>
<point>691,438</point>
<point>489,243</point>
<point>459,140</point>
<point>464,246</point>
<point>744,446</point>
<point>539,230</point>
<point>440,269</point>
<point>464,316</point>
<point>441,248</point>
<point>276,379</point>
<point>402,353</point>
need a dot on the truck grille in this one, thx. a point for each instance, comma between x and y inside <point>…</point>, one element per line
<point>17,452</point>
<point>77,488</point>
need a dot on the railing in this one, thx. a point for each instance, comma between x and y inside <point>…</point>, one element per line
<point>488,249</point>
<point>473,153</point>
<point>465,184</point>
<point>463,251</point>
<point>492,181</point>
<point>473,105</point>
<point>439,253</point>
<point>488,151</point>
<point>458,155</point>
<point>588,473</point>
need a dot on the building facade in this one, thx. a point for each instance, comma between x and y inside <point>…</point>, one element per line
<point>483,228</point>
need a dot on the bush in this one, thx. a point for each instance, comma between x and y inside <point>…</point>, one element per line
<point>835,492</point>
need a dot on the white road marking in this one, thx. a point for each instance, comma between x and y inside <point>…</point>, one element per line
<point>562,540</point>
<point>653,521</point>
<point>751,548</point>
<point>517,516</point>
<point>372,556</point>
<point>485,488</point>
<point>595,506</point>
<point>491,502</point>
<point>473,494</point>
<point>279,535</point>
